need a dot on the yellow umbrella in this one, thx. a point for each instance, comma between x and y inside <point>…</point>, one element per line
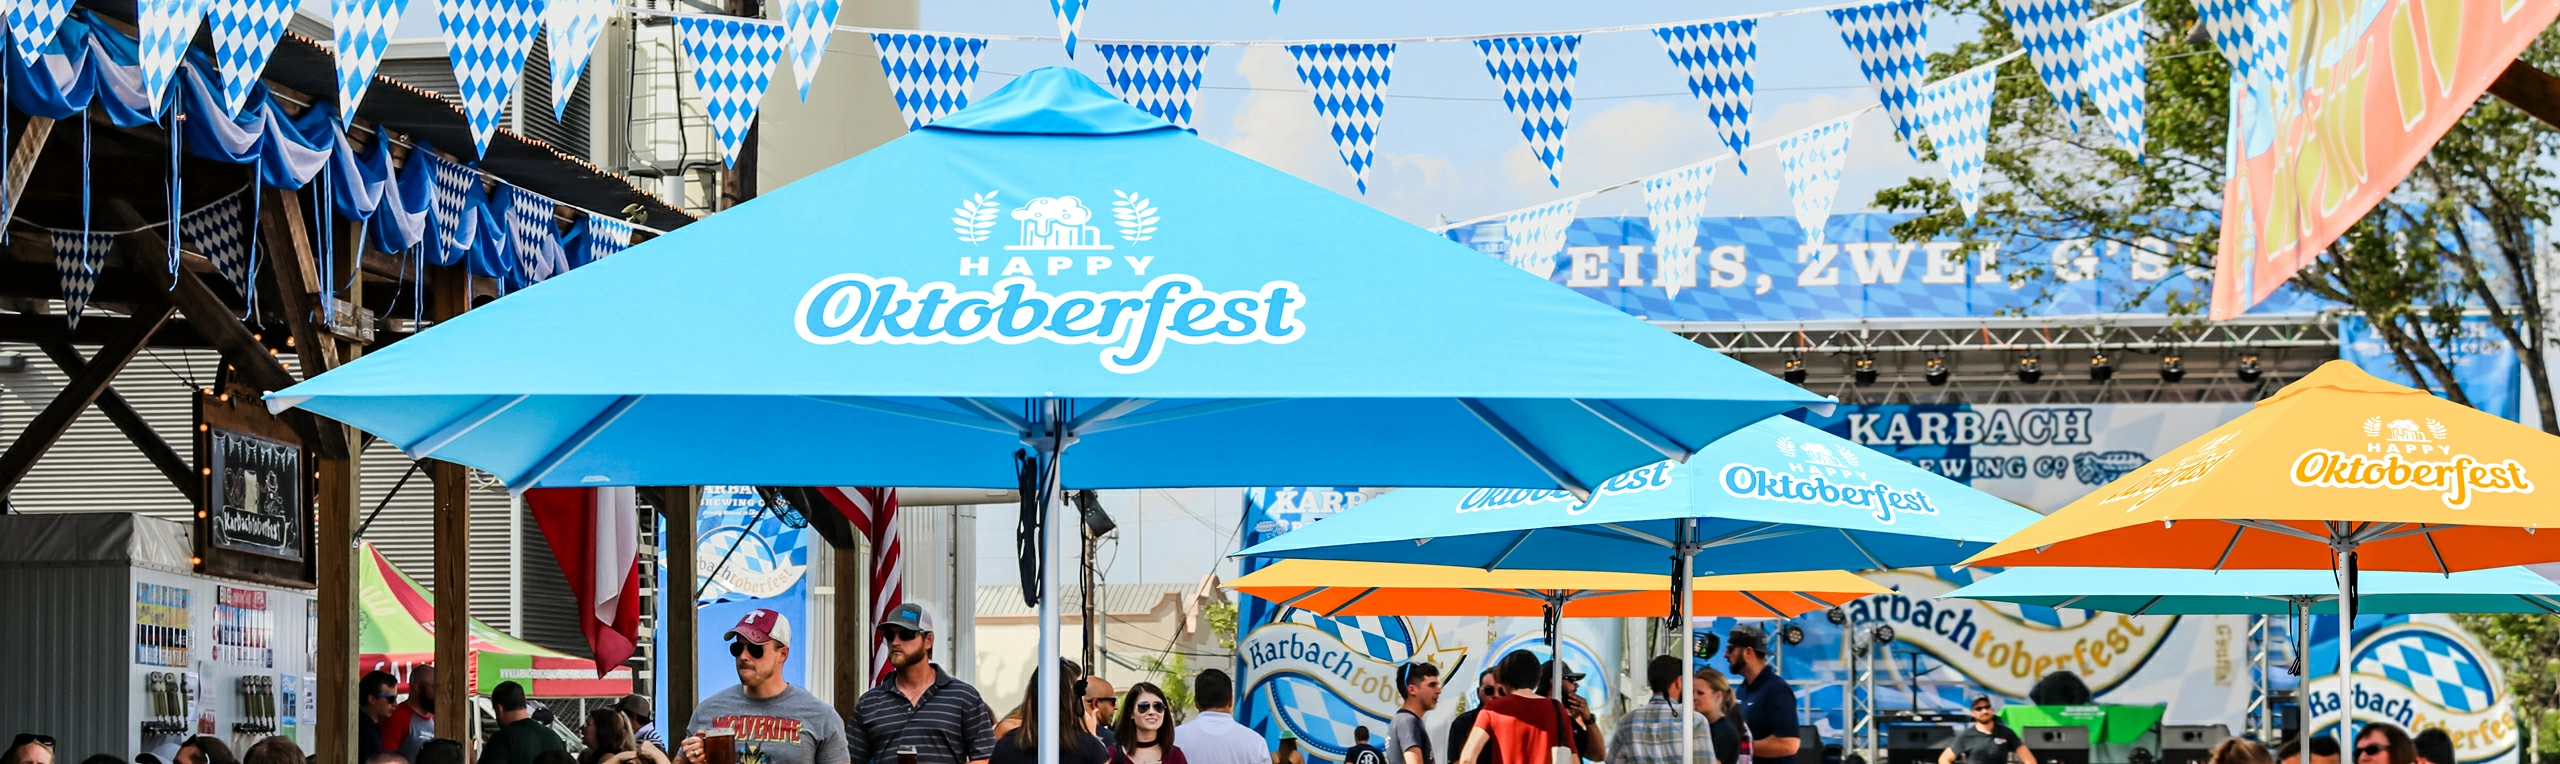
<point>1333,588</point>
<point>2337,471</point>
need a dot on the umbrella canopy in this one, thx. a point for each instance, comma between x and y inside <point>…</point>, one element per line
<point>1380,588</point>
<point>396,629</point>
<point>2172,591</point>
<point>910,316</point>
<point>1778,495</point>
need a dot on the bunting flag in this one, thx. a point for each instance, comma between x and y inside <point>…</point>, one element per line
<point>1673,202</point>
<point>165,29</point>
<point>362,30</point>
<point>2055,35</point>
<point>217,230</point>
<point>1536,74</point>
<point>2232,25</point>
<point>1719,57</point>
<point>573,26</point>
<point>1350,84</point>
<point>1957,111</point>
<point>32,24</point>
<point>733,66</point>
<point>1890,38</point>
<point>2271,72</point>
<point>536,240</point>
<point>488,40</point>
<point>594,533</point>
<point>603,236</point>
<point>78,254</point>
<point>874,513</point>
<point>456,188</point>
<point>807,25</point>
<point>2118,62</point>
<point>1532,238</point>
<point>1811,160</point>
<point>1162,79</point>
<point>245,33</point>
<point>1070,18</point>
<point>929,75</point>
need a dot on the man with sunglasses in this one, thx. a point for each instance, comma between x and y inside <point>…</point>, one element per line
<point>1986,740</point>
<point>374,697</point>
<point>28,748</point>
<point>773,721</point>
<point>1101,706</point>
<point>919,708</point>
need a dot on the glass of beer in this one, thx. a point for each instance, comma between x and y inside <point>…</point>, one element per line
<point>720,746</point>
<point>907,755</point>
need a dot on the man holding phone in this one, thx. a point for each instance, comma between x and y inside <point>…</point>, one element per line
<point>763,720</point>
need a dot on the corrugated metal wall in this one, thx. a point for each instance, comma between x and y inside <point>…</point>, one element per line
<point>939,545</point>
<point>52,610</point>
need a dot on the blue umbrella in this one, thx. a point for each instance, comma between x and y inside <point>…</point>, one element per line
<point>1048,268</point>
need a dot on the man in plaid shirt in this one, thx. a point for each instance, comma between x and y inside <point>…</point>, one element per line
<point>1650,734</point>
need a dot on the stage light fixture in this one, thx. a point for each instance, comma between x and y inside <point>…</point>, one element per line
<point>1791,635</point>
<point>2250,370</point>
<point>2101,368</point>
<point>1937,371</point>
<point>1883,633</point>
<point>1795,373</point>
<point>2030,370</point>
<point>2172,368</point>
<point>1864,370</point>
<point>1836,616</point>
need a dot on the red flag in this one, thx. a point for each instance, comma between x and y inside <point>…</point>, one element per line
<point>595,534</point>
<point>874,512</point>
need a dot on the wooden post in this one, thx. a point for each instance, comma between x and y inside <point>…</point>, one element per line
<point>677,506</point>
<point>2531,90</point>
<point>341,489</point>
<point>48,426</point>
<point>455,675</point>
<point>853,627</point>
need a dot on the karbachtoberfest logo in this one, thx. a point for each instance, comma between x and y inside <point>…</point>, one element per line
<point>1135,325</point>
<point>1651,477</point>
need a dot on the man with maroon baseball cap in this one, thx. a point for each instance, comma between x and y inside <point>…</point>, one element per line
<point>775,722</point>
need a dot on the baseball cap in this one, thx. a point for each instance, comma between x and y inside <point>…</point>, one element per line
<point>910,616</point>
<point>1746,636</point>
<point>166,753</point>
<point>637,706</point>
<point>762,626</point>
<point>1548,669</point>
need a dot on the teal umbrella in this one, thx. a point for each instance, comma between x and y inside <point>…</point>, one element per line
<point>2186,591</point>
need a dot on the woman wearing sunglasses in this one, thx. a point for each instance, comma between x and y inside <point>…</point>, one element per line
<point>1145,729</point>
<point>2385,743</point>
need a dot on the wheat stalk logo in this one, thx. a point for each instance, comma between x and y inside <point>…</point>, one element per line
<point>2436,429</point>
<point>1136,215</point>
<point>974,217</point>
<point>2373,427</point>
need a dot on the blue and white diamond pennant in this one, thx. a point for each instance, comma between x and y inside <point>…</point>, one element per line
<point>605,236</point>
<point>1811,160</point>
<point>535,240</point>
<point>1350,84</point>
<point>1164,80</point>
<point>2271,23</point>
<point>218,231</point>
<point>929,75</point>
<point>807,26</point>
<point>77,255</point>
<point>573,26</point>
<point>244,37</point>
<point>165,29</point>
<point>488,40</point>
<point>1070,15</point>
<point>1673,202</point>
<point>1536,74</point>
<point>733,67</point>
<point>1890,38</point>
<point>33,23</point>
<point>2057,41</point>
<point>1532,238</point>
<point>452,205</point>
<point>1720,58</point>
<point>2114,79</point>
<point>1957,111</point>
<point>2232,26</point>
<point>362,30</point>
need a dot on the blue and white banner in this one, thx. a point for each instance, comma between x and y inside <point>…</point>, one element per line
<point>1673,203</point>
<point>1720,58</point>
<point>2119,60</point>
<point>1891,39</point>
<point>245,33</point>
<point>32,24</point>
<point>1070,15</point>
<point>166,29</point>
<point>2484,363</point>
<point>2416,672</point>
<point>807,25</point>
<point>573,26</point>
<point>733,66</point>
<point>746,558</point>
<point>1764,269</point>
<point>1536,75</point>
<point>453,202</point>
<point>929,75</point>
<point>1532,238</point>
<point>2056,37</point>
<point>78,254</point>
<point>1350,84</point>
<point>1164,80</point>
<point>221,233</point>
<point>1957,111</point>
<point>488,41</point>
<point>1812,159</point>
<point>362,32</point>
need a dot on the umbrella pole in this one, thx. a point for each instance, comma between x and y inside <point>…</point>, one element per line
<point>1684,564</point>
<point>1051,527</point>
<point>1554,623</point>
<point>2346,645</point>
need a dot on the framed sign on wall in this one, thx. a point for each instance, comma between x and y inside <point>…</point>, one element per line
<point>255,519</point>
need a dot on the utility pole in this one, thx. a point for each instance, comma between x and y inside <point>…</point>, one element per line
<point>1097,524</point>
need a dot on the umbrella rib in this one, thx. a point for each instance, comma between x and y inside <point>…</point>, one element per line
<point>1107,411</point>
<point>2227,546</point>
<point>2430,536</point>
<point>1514,593</point>
<point>1520,443</point>
<point>1764,604</point>
<point>1635,428</point>
<point>1160,416</point>
<point>463,425</point>
<point>1639,535</point>
<point>586,433</point>
<point>1862,548</point>
<point>919,412</point>
<point>2146,606</point>
<point>1293,601</point>
<point>2280,529</point>
<point>2537,600</point>
<point>1506,551</point>
<point>994,412</point>
<point>1774,531</point>
<point>2075,599</point>
<point>1355,599</point>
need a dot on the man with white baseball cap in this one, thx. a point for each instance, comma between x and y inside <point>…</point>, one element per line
<point>919,708</point>
<point>774,722</point>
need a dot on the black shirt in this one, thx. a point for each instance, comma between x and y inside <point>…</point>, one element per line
<point>949,724</point>
<point>1974,746</point>
<point>368,737</point>
<point>1769,706</point>
<point>1728,740</point>
<point>1458,730</point>
<point>1088,750</point>
<point>1363,753</point>
<point>520,743</point>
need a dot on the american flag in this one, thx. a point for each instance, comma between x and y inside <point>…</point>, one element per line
<point>874,512</point>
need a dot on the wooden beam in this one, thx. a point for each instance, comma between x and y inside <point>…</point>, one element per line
<point>453,600</point>
<point>334,567</point>
<point>677,506</point>
<point>297,273</point>
<point>180,473</point>
<point>853,632</point>
<point>2531,90</point>
<point>257,366</point>
<point>75,397</point>
<point>22,160</point>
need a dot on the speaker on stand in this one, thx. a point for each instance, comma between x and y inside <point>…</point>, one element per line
<point>2057,745</point>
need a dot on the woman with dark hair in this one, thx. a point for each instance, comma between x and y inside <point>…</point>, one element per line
<point>2385,743</point>
<point>2239,751</point>
<point>1524,726</point>
<point>1076,745</point>
<point>609,741</point>
<point>1145,728</point>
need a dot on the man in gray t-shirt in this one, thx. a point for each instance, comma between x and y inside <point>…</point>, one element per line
<point>1407,743</point>
<point>775,722</point>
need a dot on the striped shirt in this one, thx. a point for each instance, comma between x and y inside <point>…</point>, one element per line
<point>950,724</point>
<point>1651,735</point>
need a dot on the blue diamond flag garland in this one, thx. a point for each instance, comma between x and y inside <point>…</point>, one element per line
<point>1350,84</point>
<point>32,24</point>
<point>929,75</point>
<point>605,236</point>
<point>78,254</point>
<point>1673,202</point>
<point>488,40</point>
<point>1811,160</point>
<point>1070,15</point>
<point>453,205</point>
<point>218,231</point>
<point>535,239</point>
<point>2231,24</point>
<point>573,26</point>
<point>2056,37</point>
<point>166,28</point>
<point>1889,39</point>
<point>362,29</point>
<point>807,26</point>
<point>2115,76</point>
<point>1720,58</point>
<point>1957,111</point>
<point>2271,23</point>
<point>1532,238</point>
<point>1536,74</point>
<point>244,37</point>
<point>732,66</point>
<point>1164,80</point>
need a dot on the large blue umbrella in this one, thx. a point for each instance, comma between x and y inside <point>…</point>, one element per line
<point>1047,268</point>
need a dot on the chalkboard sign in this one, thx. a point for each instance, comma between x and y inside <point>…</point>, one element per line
<point>255,520</point>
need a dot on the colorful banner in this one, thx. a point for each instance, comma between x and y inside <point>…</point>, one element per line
<point>2417,672</point>
<point>2340,112</point>
<point>162,625</point>
<point>2040,456</point>
<point>746,558</point>
<point>1763,269</point>
<point>2483,362</point>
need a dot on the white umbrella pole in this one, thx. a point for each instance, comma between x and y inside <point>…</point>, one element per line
<point>1052,541</point>
<point>1688,649</point>
<point>2346,648</point>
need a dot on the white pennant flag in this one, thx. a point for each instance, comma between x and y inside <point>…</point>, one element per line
<point>1812,160</point>
<point>2118,64</point>
<point>1957,111</point>
<point>245,33</point>
<point>573,26</point>
<point>1720,58</point>
<point>1164,80</point>
<point>2056,37</point>
<point>1533,237</point>
<point>929,75</point>
<point>488,41</point>
<point>733,61</point>
<point>362,30</point>
<point>1070,15</point>
<point>1673,202</point>
<point>1350,84</point>
<point>167,28</point>
<point>1536,74</point>
<point>1891,40</point>
<point>808,24</point>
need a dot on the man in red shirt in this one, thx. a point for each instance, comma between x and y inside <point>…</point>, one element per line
<point>413,723</point>
<point>1524,726</point>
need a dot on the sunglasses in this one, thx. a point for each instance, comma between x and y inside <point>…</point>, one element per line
<point>1112,702</point>
<point>1151,707</point>
<point>898,634</point>
<point>739,647</point>
<point>24,738</point>
<point>2371,750</point>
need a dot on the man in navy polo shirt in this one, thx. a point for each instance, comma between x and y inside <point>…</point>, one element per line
<point>1768,704</point>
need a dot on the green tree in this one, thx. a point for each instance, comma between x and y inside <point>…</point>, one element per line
<point>1222,622</point>
<point>2527,648</point>
<point>1172,673</point>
